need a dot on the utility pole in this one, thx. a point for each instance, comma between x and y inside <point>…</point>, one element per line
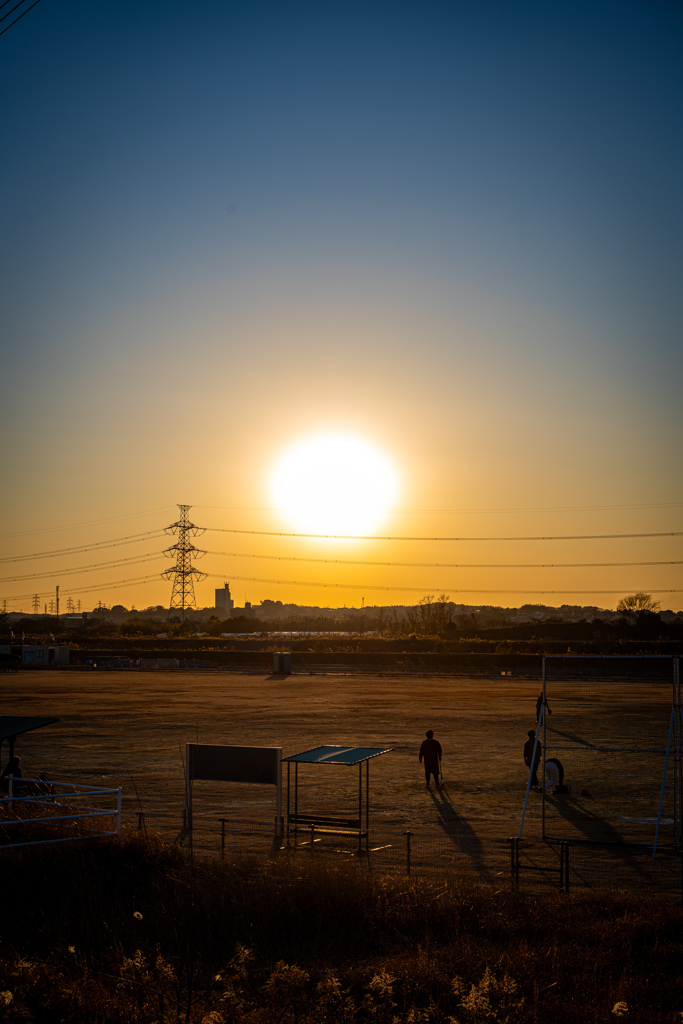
<point>36,604</point>
<point>57,601</point>
<point>184,573</point>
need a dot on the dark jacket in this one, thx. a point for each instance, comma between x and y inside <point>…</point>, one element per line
<point>528,751</point>
<point>430,751</point>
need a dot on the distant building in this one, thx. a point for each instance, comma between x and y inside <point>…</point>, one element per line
<point>248,611</point>
<point>74,621</point>
<point>37,655</point>
<point>224,602</point>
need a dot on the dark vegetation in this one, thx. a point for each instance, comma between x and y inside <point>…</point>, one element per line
<point>134,932</point>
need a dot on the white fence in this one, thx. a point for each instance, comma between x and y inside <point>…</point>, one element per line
<point>35,806</point>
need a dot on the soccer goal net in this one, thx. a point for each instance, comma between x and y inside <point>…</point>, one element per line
<point>613,726</point>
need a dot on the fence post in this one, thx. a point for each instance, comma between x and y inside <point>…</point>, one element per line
<point>312,837</point>
<point>564,867</point>
<point>119,795</point>
<point>514,861</point>
<point>407,835</point>
<point>222,838</point>
<point>141,820</point>
<point>10,787</point>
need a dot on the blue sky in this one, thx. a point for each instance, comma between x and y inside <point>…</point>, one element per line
<point>451,228</point>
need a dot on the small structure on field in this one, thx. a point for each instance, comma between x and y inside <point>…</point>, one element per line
<point>222,763</point>
<point>312,823</point>
<point>12,726</point>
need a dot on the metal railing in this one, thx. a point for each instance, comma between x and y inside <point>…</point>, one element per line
<point>49,809</point>
<point>528,865</point>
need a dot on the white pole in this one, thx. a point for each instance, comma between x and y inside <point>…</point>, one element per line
<point>188,787</point>
<point>278,795</point>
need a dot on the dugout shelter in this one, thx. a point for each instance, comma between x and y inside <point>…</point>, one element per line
<point>12,726</point>
<point>332,824</point>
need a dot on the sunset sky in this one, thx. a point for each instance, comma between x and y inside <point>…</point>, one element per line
<point>450,231</point>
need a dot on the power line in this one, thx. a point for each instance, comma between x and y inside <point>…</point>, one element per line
<point>92,522</point>
<point>462,540</point>
<point>134,538</point>
<point>443,565</point>
<point>467,511</point>
<point>98,586</point>
<point>8,27</point>
<point>52,574</point>
<point>422,590</point>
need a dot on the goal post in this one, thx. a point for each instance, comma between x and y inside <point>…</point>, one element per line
<point>614,725</point>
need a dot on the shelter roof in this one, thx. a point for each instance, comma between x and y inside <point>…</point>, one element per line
<point>336,754</point>
<point>15,725</point>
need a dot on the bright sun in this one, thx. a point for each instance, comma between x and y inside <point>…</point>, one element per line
<point>334,484</point>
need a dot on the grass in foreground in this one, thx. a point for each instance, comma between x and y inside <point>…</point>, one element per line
<point>131,931</point>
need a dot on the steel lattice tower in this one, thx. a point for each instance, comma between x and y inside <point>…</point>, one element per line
<point>183,574</point>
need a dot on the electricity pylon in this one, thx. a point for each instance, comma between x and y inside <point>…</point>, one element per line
<point>36,604</point>
<point>184,573</point>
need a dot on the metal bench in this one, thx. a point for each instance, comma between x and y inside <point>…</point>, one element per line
<point>325,825</point>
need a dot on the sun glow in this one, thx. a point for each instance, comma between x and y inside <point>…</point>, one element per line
<point>334,484</point>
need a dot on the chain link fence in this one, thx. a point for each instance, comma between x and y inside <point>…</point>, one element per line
<point>531,865</point>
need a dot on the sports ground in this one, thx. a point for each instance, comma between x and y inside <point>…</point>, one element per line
<point>129,729</point>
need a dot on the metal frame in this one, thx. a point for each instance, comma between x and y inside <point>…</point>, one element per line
<point>292,825</point>
<point>50,799</point>
<point>189,780</point>
<point>674,744</point>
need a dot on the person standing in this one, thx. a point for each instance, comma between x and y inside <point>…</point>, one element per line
<point>430,753</point>
<point>542,702</point>
<point>12,770</point>
<point>530,753</point>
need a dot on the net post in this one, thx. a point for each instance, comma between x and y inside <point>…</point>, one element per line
<point>360,807</point>
<point>661,796</point>
<point>678,755</point>
<point>542,719</point>
<point>288,792</point>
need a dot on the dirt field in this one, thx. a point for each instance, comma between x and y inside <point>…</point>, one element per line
<point>130,729</point>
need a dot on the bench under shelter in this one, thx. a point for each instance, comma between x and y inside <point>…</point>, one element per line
<point>298,821</point>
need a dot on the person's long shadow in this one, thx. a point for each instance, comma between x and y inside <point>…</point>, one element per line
<point>458,830</point>
<point>593,827</point>
<point>570,736</point>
